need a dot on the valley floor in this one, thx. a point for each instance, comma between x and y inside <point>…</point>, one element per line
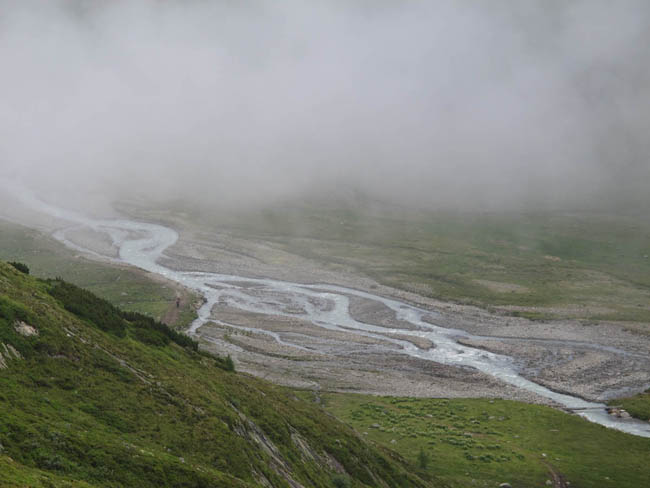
<point>594,360</point>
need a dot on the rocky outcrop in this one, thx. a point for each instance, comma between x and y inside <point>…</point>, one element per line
<point>618,412</point>
<point>8,353</point>
<point>251,431</point>
<point>25,329</point>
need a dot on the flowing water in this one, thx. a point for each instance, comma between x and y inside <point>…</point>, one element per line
<point>142,244</point>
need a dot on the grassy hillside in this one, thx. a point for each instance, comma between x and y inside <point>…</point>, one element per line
<point>92,396</point>
<point>480,442</point>
<point>126,287</point>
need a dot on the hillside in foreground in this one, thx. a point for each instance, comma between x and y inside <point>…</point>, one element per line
<point>92,396</point>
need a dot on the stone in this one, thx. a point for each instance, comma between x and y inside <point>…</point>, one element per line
<point>25,329</point>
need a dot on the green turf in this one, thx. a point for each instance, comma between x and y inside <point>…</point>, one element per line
<point>480,442</point>
<point>89,401</point>
<point>638,405</point>
<point>125,287</point>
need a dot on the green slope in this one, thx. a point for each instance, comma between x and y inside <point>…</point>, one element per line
<point>103,398</point>
<point>127,287</point>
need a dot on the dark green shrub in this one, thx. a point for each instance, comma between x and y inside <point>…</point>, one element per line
<point>423,459</point>
<point>229,364</point>
<point>86,305</point>
<point>20,267</point>
<point>151,337</point>
<point>143,322</point>
<point>341,481</point>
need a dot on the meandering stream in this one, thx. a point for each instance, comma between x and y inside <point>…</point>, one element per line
<point>143,244</point>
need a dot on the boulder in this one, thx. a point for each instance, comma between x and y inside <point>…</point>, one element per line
<point>25,329</point>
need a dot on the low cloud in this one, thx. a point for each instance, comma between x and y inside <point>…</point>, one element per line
<point>500,104</point>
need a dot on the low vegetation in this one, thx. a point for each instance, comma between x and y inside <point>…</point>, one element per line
<point>128,288</point>
<point>20,267</point>
<point>638,405</point>
<point>85,401</point>
<point>109,318</point>
<point>482,442</point>
<point>588,266</point>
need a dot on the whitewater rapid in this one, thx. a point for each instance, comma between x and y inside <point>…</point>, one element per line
<point>142,244</point>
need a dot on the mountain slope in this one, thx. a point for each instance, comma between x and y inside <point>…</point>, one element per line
<point>91,396</point>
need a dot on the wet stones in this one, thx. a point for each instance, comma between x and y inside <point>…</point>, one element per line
<point>618,412</point>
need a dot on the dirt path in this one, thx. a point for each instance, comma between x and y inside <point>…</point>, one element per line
<point>176,306</point>
<point>558,479</point>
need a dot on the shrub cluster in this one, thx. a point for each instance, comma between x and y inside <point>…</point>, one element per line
<point>20,267</point>
<point>146,327</point>
<point>86,305</point>
<point>109,318</point>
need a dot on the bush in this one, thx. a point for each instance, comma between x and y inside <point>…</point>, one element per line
<point>340,481</point>
<point>20,267</point>
<point>86,305</point>
<point>423,459</point>
<point>151,337</point>
<point>229,364</point>
<point>143,322</point>
<point>109,318</point>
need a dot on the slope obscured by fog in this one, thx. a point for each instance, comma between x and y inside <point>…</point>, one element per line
<point>470,103</point>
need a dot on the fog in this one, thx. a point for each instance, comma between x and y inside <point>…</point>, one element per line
<point>497,104</point>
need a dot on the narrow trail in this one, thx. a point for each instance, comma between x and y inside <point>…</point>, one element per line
<point>558,480</point>
<point>323,305</point>
<point>173,312</point>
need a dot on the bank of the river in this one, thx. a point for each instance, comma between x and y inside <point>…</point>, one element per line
<point>327,307</point>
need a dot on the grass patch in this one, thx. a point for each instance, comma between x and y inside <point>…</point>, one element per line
<point>588,266</point>
<point>638,405</point>
<point>127,288</point>
<point>84,405</point>
<point>480,442</point>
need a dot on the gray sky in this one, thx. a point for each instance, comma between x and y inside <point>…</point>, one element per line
<point>475,103</point>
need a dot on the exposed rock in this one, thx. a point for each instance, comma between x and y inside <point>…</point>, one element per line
<point>250,430</point>
<point>333,463</point>
<point>505,485</point>
<point>618,412</point>
<point>16,354</point>
<point>10,351</point>
<point>261,479</point>
<point>7,353</point>
<point>303,446</point>
<point>25,329</point>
